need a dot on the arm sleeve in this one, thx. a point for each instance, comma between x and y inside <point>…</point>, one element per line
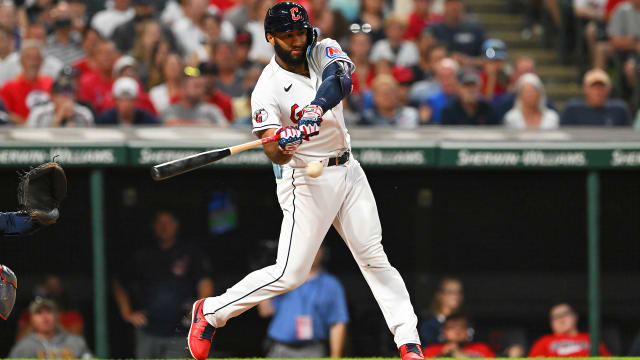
<point>265,113</point>
<point>332,90</point>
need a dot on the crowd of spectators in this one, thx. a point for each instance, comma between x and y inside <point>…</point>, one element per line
<point>195,62</point>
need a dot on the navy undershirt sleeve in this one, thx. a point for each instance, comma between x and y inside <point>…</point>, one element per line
<point>330,91</point>
<point>13,224</point>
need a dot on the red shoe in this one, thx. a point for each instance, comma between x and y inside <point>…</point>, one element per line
<point>411,352</point>
<point>200,333</point>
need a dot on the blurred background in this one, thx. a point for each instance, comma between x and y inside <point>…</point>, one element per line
<point>487,129</point>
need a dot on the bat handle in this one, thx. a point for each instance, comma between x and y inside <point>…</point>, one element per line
<point>270,139</point>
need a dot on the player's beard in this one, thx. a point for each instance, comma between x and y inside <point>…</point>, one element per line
<point>286,57</point>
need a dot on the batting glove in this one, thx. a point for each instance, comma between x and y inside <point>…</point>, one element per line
<point>289,135</point>
<point>310,121</point>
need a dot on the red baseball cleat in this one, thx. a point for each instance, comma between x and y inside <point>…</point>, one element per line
<point>200,332</point>
<point>411,352</point>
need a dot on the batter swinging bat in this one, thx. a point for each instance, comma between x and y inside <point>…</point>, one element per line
<point>180,166</point>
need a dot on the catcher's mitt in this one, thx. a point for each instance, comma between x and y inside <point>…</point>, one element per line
<point>40,192</point>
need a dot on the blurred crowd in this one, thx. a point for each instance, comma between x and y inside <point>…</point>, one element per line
<point>195,62</point>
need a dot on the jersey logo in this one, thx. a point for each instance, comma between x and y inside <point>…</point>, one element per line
<point>295,116</point>
<point>287,88</point>
<point>334,52</point>
<point>294,14</point>
<point>260,115</point>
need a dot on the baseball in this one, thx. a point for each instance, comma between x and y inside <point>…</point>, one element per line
<point>314,169</point>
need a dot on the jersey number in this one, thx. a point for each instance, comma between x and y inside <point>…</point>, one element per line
<point>294,14</point>
<point>295,116</point>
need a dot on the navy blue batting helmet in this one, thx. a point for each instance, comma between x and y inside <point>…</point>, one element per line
<point>285,17</point>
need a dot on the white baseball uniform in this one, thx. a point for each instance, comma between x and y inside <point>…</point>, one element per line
<point>341,197</point>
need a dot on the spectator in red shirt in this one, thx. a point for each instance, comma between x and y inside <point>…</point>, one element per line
<point>90,41</point>
<point>95,84</point>
<point>565,341</point>
<point>30,88</point>
<point>420,18</point>
<point>457,342</point>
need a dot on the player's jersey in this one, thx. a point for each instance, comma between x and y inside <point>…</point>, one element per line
<point>280,95</point>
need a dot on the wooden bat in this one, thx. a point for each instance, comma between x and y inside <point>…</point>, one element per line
<point>181,166</point>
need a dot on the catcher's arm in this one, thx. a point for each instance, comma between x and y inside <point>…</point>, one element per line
<point>13,224</point>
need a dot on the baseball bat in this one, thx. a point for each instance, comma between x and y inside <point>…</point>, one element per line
<point>181,166</point>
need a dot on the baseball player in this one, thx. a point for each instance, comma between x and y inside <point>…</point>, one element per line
<point>298,98</point>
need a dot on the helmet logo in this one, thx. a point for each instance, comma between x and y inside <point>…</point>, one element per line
<point>294,14</point>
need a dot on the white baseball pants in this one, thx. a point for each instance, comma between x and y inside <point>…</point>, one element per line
<point>341,197</point>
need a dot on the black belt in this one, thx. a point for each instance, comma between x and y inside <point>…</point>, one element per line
<point>339,160</point>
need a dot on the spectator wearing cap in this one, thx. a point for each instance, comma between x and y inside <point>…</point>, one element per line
<point>431,106</point>
<point>494,77</point>
<point>216,97</point>
<point>530,110</point>
<point>401,52</point>
<point>64,43</point>
<point>106,21</point>
<point>420,18</point>
<point>126,34</point>
<point>9,59</point>
<point>95,85</point>
<point>469,107</point>
<point>168,92</point>
<point>624,34</point>
<point>404,77</point>
<point>388,109</point>
<point>126,111</point>
<point>28,89</point>
<point>48,340</point>
<point>62,110</point>
<point>463,39</point>
<point>243,46</point>
<point>191,110</point>
<point>128,66</point>
<point>229,76</point>
<point>596,109</point>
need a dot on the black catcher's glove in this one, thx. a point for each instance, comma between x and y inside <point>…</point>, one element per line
<point>40,192</point>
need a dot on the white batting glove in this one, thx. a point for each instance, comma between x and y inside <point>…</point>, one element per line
<point>310,121</point>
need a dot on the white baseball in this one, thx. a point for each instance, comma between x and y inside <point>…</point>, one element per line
<point>314,169</point>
